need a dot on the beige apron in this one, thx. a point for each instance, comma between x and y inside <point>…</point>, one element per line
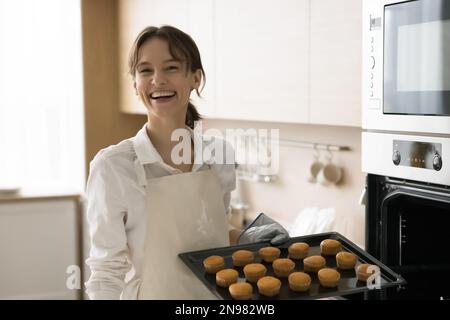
<point>185,213</point>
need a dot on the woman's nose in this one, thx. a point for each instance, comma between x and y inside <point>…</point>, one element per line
<point>158,78</point>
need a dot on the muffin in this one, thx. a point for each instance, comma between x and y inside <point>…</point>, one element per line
<point>226,277</point>
<point>330,247</point>
<point>328,278</point>
<point>299,281</point>
<point>242,258</point>
<point>362,272</point>
<point>269,286</point>
<point>254,271</point>
<point>269,254</point>
<point>298,250</point>
<point>213,264</point>
<point>313,263</point>
<point>241,291</point>
<point>283,267</point>
<point>346,260</point>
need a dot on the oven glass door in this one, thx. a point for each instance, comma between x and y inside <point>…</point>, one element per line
<point>417,58</point>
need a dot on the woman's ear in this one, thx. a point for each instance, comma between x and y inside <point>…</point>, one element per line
<point>197,79</point>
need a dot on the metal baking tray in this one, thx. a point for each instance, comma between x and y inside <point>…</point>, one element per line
<point>348,283</point>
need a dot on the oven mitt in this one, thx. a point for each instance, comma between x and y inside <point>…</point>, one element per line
<point>262,229</point>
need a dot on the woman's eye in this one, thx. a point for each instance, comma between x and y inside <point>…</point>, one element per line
<point>172,68</point>
<point>145,71</point>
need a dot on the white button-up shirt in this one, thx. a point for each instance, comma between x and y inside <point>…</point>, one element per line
<point>116,206</point>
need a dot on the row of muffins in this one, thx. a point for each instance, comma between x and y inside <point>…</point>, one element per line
<point>298,281</point>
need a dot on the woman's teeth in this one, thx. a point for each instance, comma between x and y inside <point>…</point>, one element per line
<point>162,94</point>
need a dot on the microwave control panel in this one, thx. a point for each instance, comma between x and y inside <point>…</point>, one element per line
<point>373,54</point>
<point>417,154</point>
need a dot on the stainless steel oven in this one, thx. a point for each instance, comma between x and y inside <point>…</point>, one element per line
<point>406,66</point>
<point>408,210</point>
<point>406,141</point>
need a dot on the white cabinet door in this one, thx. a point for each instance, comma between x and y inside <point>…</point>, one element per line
<point>39,240</point>
<point>195,17</point>
<point>262,60</point>
<point>336,62</point>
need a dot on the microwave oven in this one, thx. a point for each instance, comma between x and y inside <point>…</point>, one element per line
<point>406,66</point>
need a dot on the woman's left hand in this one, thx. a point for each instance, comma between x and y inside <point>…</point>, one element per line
<point>262,229</point>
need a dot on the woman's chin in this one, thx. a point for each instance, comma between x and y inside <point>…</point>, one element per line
<point>169,111</point>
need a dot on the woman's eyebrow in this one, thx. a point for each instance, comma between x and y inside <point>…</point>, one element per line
<point>165,61</point>
<point>171,60</point>
<point>142,64</point>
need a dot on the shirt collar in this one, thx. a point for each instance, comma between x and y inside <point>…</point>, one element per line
<point>144,148</point>
<point>146,152</point>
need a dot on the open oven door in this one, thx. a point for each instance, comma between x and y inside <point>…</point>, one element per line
<point>407,228</point>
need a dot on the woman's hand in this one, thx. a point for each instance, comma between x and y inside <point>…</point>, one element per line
<point>234,235</point>
<point>262,229</point>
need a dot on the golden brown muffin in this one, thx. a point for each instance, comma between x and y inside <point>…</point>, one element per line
<point>362,272</point>
<point>226,277</point>
<point>330,247</point>
<point>241,291</point>
<point>313,263</point>
<point>299,281</point>
<point>328,278</point>
<point>269,286</point>
<point>213,264</point>
<point>269,254</point>
<point>242,257</point>
<point>254,271</point>
<point>346,260</point>
<point>298,250</point>
<point>283,267</point>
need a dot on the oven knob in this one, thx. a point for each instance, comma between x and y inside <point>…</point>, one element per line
<point>437,162</point>
<point>396,158</point>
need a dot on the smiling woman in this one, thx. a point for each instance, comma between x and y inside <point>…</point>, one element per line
<point>41,106</point>
<point>167,58</point>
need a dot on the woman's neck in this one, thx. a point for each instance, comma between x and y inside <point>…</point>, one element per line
<point>160,133</point>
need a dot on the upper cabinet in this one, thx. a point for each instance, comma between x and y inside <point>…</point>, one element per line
<point>262,51</point>
<point>335,61</point>
<point>194,17</point>
<point>295,61</point>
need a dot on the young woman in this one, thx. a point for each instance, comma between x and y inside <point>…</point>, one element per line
<point>145,205</point>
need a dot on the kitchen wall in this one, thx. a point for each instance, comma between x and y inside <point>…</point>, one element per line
<point>105,124</point>
<point>285,198</point>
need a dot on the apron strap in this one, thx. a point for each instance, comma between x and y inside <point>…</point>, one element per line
<point>142,177</point>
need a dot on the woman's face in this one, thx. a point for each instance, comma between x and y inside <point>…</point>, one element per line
<point>162,82</point>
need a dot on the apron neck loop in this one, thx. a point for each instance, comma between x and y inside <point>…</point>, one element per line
<point>140,173</point>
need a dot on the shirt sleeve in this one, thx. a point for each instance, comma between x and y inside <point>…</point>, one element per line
<point>106,210</point>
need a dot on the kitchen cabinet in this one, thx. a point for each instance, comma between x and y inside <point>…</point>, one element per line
<point>296,61</point>
<point>262,49</point>
<point>335,62</point>
<point>39,243</point>
<point>194,17</point>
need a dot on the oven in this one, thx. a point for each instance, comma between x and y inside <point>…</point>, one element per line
<point>406,142</point>
<point>408,210</point>
<point>406,66</point>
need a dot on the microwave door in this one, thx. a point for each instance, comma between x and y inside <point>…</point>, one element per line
<point>417,58</point>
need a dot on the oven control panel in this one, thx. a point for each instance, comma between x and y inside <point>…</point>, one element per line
<point>417,154</point>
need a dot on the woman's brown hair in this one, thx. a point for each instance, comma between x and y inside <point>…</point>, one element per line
<point>181,47</point>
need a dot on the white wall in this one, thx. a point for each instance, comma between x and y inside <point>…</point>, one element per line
<point>292,192</point>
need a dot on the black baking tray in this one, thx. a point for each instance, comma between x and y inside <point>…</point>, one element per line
<point>348,283</point>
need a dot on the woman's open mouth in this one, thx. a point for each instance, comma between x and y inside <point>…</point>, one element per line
<point>162,96</point>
